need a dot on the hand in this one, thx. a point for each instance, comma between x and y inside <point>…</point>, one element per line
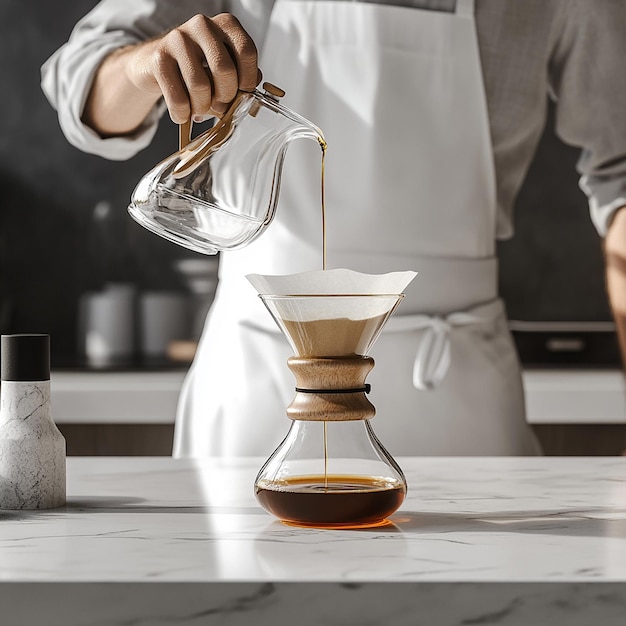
<point>197,67</point>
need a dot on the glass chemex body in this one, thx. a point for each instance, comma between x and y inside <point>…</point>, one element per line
<point>220,190</point>
<point>331,471</point>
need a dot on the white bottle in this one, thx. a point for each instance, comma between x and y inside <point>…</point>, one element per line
<point>32,450</point>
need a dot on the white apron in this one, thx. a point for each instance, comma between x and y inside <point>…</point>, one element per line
<point>410,182</point>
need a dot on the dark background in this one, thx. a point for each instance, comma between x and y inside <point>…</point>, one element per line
<point>52,249</point>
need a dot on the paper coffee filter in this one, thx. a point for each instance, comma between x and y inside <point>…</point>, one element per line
<point>331,282</point>
<point>336,282</point>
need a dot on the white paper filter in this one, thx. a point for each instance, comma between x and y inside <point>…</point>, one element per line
<point>336,282</point>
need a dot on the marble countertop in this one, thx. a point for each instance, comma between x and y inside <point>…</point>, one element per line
<point>477,541</point>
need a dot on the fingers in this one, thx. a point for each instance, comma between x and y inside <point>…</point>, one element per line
<point>197,83</point>
<point>242,50</point>
<point>200,66</point>
<point>185,86</point>
<point>220,65</point>
<point>170,82</point>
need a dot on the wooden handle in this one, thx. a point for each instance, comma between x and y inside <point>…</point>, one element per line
<point>209,141</point>
<point>275,91</point>
<point>335,380</point>
<point>184,130</point>
<point>184,134</point>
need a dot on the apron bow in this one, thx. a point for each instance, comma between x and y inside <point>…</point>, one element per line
<point>432,359</point>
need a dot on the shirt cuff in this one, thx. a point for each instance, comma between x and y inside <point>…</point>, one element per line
<point>606,196</point>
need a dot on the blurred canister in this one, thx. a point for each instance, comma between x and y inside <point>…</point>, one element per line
<point>107,325</point>
<point>164,316</point>
<point>200,277</point>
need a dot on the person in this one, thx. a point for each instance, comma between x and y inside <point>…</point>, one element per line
<point>432,110</point>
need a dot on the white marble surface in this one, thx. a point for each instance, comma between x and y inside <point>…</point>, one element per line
<point>32,450</point>
<point>478,541</point>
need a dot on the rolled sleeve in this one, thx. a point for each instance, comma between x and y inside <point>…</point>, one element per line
<point>67,76</point>
<point>66,81</point>
<point>589,82</point>
<point>606,197</point>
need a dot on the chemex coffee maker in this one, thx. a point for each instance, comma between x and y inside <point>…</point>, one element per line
<point>331,471</point>
<point>218,193</point>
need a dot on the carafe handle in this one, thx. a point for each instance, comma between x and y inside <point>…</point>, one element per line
<point>184,130</point>
<point>184,134</point>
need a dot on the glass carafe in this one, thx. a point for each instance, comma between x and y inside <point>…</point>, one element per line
<point>220,190</point>
<point>331,471</point>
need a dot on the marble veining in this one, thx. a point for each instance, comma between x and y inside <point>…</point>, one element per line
<point>477,541</point>
<point>32,450</point>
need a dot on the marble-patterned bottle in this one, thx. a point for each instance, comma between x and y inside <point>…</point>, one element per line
<point>32,450</point>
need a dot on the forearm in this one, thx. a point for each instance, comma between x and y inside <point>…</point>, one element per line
<point>115,106</point>
<point>615,255</point>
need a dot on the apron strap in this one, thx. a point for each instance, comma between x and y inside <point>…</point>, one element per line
<point>465,8</point>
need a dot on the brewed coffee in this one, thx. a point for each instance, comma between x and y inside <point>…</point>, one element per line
<point>338,501</point>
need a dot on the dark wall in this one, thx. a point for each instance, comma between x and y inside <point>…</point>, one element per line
<point>52,249</point>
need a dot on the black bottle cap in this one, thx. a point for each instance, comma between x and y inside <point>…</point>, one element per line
<point>25,357</point>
